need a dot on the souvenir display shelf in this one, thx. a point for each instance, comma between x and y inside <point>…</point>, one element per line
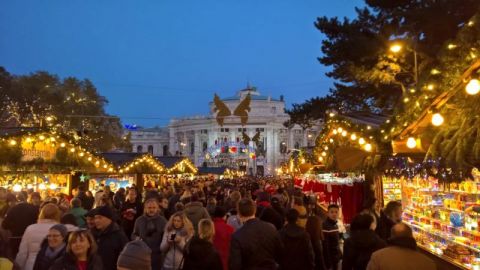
<point>436,213</point>
<point>391,189</point>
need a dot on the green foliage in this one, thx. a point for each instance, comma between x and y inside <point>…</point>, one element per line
<point>75,105</point>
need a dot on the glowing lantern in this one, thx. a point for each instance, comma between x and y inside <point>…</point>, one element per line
<point>368,147</point>
<point>361,141</point>
<point>411,143</point>
<point>473,87</point>
<point>437,119</point>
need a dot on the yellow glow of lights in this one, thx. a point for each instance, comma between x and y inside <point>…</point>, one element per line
<point>105,166</point>
<point>72,150</point>
<point>331,114</point>
<point>470,23</point>
<point>28,139</point>
<point>320,159</point>
<point>335,132</point>
<point>368,147</point>
<point>411,143</point>
<point>430,86</point>
<point>324,154</point>
<point>451,46</point>
<point>406,100</point>
<point>17,188</point>
<point>473,87</point>
<point>53,186</point>
<point>353,137</point>
<point>412,90</point>
<point>89,158</point>
<point>325,148</point>
<point>81,154</point>
<point>395,48</point>
<point>42,186</point>
<point>303,161</point>
<point>121,171</point>
<point>110,169</point>
<point>361,141</point>
<point>41,137</point>
<point>344,133</point>
<point>13,142</point>
<point>49,118</point>
<point>62,144</point>
<point>331,140</point>
<point>435,71</point>
<point>339,130</point>
<point>437,119</point>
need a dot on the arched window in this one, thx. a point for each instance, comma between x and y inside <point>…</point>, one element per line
<point>150,149</point>
<point>192,148</point>
<point>139,149</point>
<point>297,145</point>
<point>204,146</point>
<point>283,147</point>
<point>165,150</point>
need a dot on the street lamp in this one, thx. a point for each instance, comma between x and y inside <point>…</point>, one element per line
<point>397,47</point>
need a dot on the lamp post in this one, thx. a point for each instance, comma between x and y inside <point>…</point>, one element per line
<point>396,48</point>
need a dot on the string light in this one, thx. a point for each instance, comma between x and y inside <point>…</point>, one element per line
<point>411,143</point>
<point>473,87</point>
<point>430,86</point>
<point>13,142</point>
<point>368,147</point>
<point>324,154</point>
<point>353,137</point>
<point>451,46</point>
<point>344,133</point>
<point>437,119</point>
<point>361,141</point>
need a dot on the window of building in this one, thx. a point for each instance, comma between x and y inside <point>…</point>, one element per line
<point>274,110</point>
<point>297,145</point>
<point>150,149</point>
<point>139,149</point>
<point>283,147</point>
<point>204,146</point>
<point>260,129</point>
<point>242,130</point>
<point>165,150</point>
<point>204,131</point>
<point>192,148</point>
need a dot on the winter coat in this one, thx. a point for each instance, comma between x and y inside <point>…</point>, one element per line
<point>317,245</point>
<point>256,245</point>
<point>110,243</point>
<point>298,251</point>
<point>358,249</point>
<point>331,244</point>
<point>18,218</point>
<point>68,262</point>
<point>150,230</point>
<point>223,236</point>
<point>79,214</point>
<point>201,255</point>
<point>31,241</point>
<point>129,213</point>
<point>195,212</point>
<point>384,226</point>
<point>42,261</point>
<point>302,215</point>
<point>173,252</point>
<point>266,213</point>
<point>401,254</point>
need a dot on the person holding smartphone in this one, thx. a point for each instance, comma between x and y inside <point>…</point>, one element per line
<point>179,230</point>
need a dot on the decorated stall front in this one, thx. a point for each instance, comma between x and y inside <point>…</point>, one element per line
<point>43,161</point>
<point>436,146</point>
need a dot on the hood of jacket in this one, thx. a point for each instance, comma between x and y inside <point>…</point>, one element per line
<point>404,242</point>
<point>364,238</point>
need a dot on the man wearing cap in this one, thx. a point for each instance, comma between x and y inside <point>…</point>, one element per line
<point>110,238</point>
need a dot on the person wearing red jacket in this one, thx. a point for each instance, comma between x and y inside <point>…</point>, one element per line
<point>223,235</point>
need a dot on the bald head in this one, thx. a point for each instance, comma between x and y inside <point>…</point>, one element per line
<point>401,230</point>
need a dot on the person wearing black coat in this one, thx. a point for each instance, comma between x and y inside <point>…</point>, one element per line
<point>18,218</point>
<point>257,244</point>
<point>131,210</point>
<point>361,244</point>
<point>109,237</point>
<point>331,245</point>
<point>52,248</point>
<point>200,253</point>
<point>297,246</point>
<point>314,229</point>
<point>391,215</point>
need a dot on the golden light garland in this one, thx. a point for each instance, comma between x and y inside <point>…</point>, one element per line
<point>148,159</point>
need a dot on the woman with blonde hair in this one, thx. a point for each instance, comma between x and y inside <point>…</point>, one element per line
<point>81,253</point>
<point>178,231</point>
<point>35,234</point>
<point>200,253</point>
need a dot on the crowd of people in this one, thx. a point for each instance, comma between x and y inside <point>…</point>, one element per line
<point>235,224</point>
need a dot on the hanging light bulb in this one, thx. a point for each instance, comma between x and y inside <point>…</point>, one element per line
<point>324,154</point>
<point>361,141</point>
<point>13,142</point>
<point>368,147</point>
<point>331,140</point>
<point>411,143</point>
<point>344,133</point>
<point>335,132</point>
<point>72,150</point>
<point>339,130</point>
<point>42,186</point>
<point>353,137</point>
<point>53,186</point>
<point>320,159</point>
<point>437,119</point>
<point>41,137</point>
<point>326,148</point>
<point>473,87</point>
<point>62,145</point>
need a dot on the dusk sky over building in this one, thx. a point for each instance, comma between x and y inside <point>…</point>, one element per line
<point>155,60</point>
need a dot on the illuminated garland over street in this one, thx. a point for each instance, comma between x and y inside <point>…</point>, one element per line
<point>139,164</point>
<point>180,167</point>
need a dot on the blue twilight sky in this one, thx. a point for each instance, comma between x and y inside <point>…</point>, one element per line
<point>158,59</point>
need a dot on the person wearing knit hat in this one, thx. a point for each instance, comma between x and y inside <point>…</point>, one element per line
<point>135,256</point>
<point>52,248</point>
<point>104,211</point>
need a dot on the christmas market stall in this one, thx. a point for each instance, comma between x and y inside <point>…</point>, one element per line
<point>138,169</point>
<point>43,161</point>
<point>436,155</point>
